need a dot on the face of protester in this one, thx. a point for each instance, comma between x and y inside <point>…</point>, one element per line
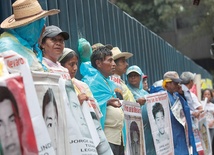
<point>121,66</point>
<point>106,67</point>
<point>145,84</point>
<point>207,95</point>
<point>134,79</point>
<point>8,130</point>
<point>173,87</point>
<point>53,47</point>
<point>159,120</point>
<point>72,66</point>
<point>50,117</point>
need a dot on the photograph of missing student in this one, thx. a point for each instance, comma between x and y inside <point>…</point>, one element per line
<point>53,111</point>
<point>50,115</point>
<point>159,119</point>
<point>134,129</point>
<point>204,135</point>
<point>135,138</point>
<point>16,130</point>
<point>80,139</point>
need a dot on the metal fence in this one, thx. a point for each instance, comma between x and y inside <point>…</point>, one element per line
<point>101,21</point>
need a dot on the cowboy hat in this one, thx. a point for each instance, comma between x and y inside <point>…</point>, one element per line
<point>25,12</point>
<point>118,54</point>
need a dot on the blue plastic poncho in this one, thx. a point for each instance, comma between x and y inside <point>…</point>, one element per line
<point>23,40</point>
<point>137,92</point>
<point>102,89</point>
<point>179,138</point>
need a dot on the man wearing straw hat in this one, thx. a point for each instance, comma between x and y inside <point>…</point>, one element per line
<point>121,67</point>
<point>23,29</point>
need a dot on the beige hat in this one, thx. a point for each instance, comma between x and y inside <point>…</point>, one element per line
<point>118,54</point>
<point>172,76</point>
<point>25,12</point>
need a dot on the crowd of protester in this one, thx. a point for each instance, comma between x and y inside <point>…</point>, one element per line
<point>102,68</point>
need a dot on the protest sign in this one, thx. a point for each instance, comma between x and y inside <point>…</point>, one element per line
<point>134,129</point>
<point>159,118</point>
<point>79,136</point>
<point>53,110</point>
<point>204,135</point>
<point>16,129</point>
<point>17,64</point>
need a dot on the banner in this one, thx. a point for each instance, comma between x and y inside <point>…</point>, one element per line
<point>17,64</point>
<point>159,118</point>
<point>16,129</point>
<point>134,129</point>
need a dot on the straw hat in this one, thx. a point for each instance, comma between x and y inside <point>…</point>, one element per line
<point>118,54</point>
<point>25,12</point>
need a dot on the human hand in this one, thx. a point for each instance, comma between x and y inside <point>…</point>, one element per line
<point>141,101</point>
<point>197,113</point>
<point>82,97</point>
<point>115,102</point>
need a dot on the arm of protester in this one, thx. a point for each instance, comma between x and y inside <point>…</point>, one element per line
<point>82,97</point>
<point>141,101</point>
<point>115,102</point>
<point>197,113</point>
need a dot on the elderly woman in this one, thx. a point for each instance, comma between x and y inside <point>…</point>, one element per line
<point>134,80</point>
<point>69,60</point>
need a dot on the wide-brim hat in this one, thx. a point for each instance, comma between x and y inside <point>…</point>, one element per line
<point>118,54</point>
<point>25,12</point>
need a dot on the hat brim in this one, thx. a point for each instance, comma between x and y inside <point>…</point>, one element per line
<point>177,80</point>
<point>65,35</point>
<point>10,22</point>
<point>123,54</point>
<point>130,71</point>
<point>145,76</point>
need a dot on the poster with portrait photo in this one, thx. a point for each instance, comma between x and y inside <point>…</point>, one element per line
<point>134,129</point>
<point>16,129</point>
<point>204,135</point>
<point>53,110</point>
<point>79,136</point>
<point>15,63</point>
<point>159,119</point>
